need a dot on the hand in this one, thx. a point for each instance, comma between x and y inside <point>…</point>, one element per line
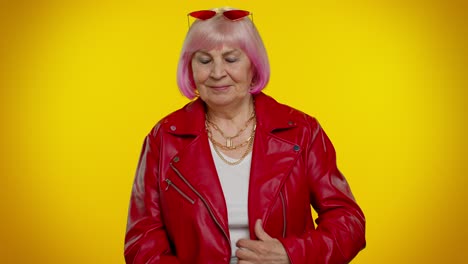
<point>266,250</point>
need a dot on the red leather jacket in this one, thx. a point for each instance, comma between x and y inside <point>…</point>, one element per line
<point>177,210</point>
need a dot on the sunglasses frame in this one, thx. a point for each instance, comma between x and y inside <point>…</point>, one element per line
<point>233,14</point>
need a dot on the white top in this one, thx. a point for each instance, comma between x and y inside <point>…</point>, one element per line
<point>235,183</point>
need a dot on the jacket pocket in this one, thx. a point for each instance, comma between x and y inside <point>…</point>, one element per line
<point>170,184</point>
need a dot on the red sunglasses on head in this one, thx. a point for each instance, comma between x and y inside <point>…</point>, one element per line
<point>229,14</point>
<point>232,15</point>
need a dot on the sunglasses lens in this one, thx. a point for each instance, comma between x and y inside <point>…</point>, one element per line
<point>203,14</point>
<point>235,14</point>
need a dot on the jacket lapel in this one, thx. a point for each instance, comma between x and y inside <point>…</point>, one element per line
<point>195,163</point>
<point>272,159</point>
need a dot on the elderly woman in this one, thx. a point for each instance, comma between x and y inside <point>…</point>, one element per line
<point>231,176</point>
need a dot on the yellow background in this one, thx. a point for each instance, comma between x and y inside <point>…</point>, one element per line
<point>82,82</point>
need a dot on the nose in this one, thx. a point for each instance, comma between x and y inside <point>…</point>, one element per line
<point>218,71</point>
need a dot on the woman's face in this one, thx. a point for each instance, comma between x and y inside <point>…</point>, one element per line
<point>222,76</point>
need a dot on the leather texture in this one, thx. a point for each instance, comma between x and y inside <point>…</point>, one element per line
<point>177,210</point>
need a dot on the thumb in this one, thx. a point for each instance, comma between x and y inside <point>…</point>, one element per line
<point>260,233</point>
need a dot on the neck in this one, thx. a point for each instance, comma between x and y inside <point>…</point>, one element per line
<point>231,114</point>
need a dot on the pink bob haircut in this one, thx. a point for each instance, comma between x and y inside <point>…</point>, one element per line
<point>215,32</point>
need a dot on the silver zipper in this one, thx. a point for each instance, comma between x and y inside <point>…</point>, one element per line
<point>170,183</point>
<point>204,201</point>
<point>284,214</point>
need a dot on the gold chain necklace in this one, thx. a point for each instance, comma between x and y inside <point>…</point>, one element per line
<point>229,145</point>
<point>247,151</point>
<point>221,146</point>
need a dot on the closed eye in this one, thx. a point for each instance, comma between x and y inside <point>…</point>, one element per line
<point>231,59</point>
<point>204,60</point>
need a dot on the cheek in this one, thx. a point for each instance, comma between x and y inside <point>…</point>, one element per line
<point>199,74</point>
<point>245,74</point>
<point>246,71</point>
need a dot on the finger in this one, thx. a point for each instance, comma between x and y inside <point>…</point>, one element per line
<point>245,254</point>
<point>260,233</point>
<point>247,244</point>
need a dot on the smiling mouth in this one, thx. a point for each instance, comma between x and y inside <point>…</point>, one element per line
<point>219,87</point>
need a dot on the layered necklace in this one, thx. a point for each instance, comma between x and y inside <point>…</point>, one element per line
<point>229,145</point>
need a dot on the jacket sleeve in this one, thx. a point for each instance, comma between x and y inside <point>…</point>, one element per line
<point>146,240</point>
<point>340,232</point>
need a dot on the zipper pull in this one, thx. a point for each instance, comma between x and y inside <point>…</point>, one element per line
<point>168,184</point>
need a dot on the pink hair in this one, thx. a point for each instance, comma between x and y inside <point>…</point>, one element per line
<point>214,33</point>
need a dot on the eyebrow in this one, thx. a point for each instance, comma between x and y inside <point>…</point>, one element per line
<point>224,53</point>
<point>230,52</point>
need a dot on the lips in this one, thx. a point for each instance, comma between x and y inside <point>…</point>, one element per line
<point>219,87</point>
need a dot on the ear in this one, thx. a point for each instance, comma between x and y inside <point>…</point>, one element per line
<point>253,82</point>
